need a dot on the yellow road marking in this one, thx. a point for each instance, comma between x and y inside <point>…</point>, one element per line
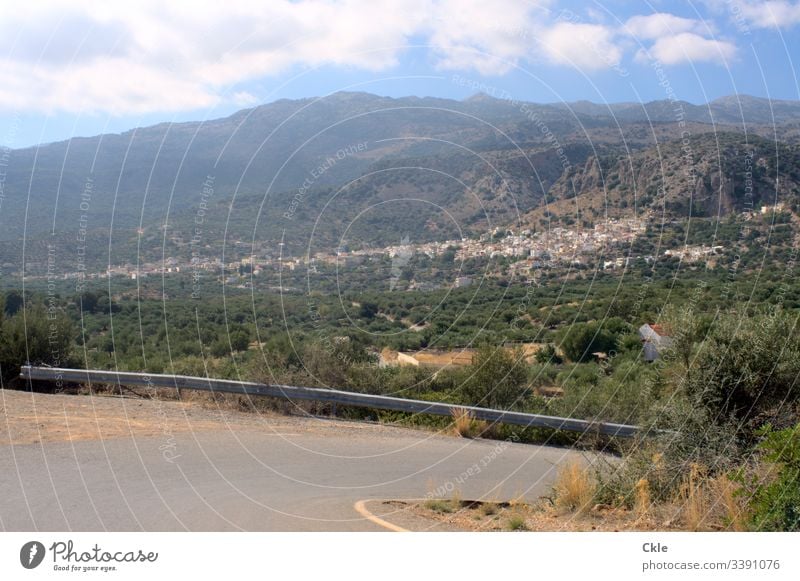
<point>361,508</point>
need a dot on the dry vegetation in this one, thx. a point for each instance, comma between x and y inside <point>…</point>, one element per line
<point>465,425</point>
<point>703,504</point>
<point>574,488</point>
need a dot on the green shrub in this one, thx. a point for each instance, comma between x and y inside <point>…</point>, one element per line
<point>747,366</point>
<point>440,505</point>
<point>35,335</point>
<point>548,355</point>
<point>589,393</point>
<point>542,374</point>
<point>775,500</point>
<point>579,341</point>
<point>496,379</point>
<point>687,438</point>
<point>516,523</point>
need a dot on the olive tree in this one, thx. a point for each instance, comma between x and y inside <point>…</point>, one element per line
<point>497,378</point>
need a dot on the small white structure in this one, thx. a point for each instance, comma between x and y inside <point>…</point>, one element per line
<point>655,340</point>
<point>405,359</point>
<point>769,209</point>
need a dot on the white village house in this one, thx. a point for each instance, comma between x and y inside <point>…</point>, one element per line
<point>655,340</point>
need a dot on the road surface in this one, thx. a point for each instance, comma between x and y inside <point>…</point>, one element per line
<point>270,475</point>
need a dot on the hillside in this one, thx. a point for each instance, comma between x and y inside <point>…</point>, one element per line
<point>709,175</point>
<point>363,170</point>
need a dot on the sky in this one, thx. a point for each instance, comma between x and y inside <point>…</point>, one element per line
<point>85,67</point>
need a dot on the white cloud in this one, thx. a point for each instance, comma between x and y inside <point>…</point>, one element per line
<point>586,46</point>
<point>148,56</point>
<point>774,13</point>
<point>676,40</point>
<point>486,36</point>
<point>757,13</point>
<point>153,56</point>
<point>655,26</point>
<point>688,47</point>
<point>244,99</point>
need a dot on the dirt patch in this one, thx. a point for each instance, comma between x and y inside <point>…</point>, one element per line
<point>455,358</point>
<point>27,418</point>
<point>540,516</point>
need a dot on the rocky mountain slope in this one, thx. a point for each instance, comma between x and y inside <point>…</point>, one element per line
<point>354,168</point>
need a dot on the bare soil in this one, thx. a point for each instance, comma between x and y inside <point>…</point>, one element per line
<point>28,418</point>
<point>541,516</point>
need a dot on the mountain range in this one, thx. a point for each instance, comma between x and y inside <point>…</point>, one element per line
<point>359,169</point>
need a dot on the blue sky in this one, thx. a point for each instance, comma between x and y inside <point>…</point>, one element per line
<point>90,66</point>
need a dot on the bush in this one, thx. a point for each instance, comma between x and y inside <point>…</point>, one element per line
<point>497,378</point>
<point>581,340</point>
<point>12,303</point>
<point>542,375</point>
<point>37,336</point>
<point>620,397</point>
<point>665,459</point>
<point>775,500</point>
<point>574,488</point>
<point>516,522</point>
<point>440,505</point>
<point>746,367</point>
<point>465,425</point>
<point>548,354</point>
<point>240,339</point>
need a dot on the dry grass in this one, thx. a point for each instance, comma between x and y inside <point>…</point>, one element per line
<point>693,497</point>
<point>642,497</point>
<point>462,422</point>
<point>457,498</point>
<point>710,503</point>
<point>703,503</point>
<point>440,505</point>
<point>734,510</point>
<point>542,516</point>
<point>465,425</point>
<point>445,506</point>
<point>574,488</point>
<point>489,508</point>
<point>516,522</point>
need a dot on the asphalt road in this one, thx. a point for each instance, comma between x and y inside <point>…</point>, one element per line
<point>293,479</point>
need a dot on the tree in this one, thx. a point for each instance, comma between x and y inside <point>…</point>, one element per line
<point>579,341</point>
<point>14,301</point>
<point>746,366</point>
<point>37,336</point>
<point>240,339</point>
<point>88,301</point>
<point>497,378</point>
<point>327,362</point>
<point>775,503</point>
<point>687,330</point>
<point>368,310</point>
<point>548,354</point>
<point>220,348</point>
